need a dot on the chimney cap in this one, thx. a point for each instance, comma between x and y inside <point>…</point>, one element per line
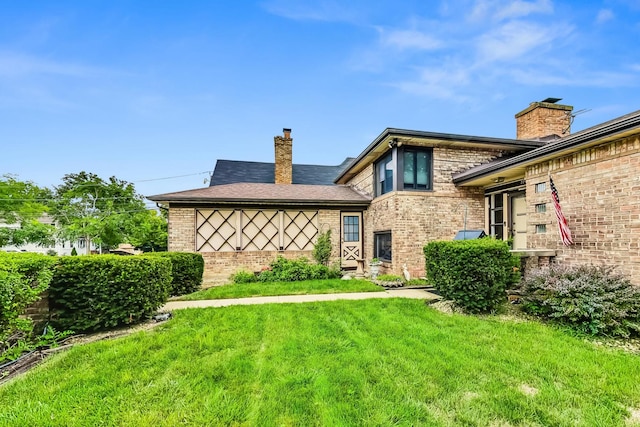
<point>551,100</point>
<point>286,129</point>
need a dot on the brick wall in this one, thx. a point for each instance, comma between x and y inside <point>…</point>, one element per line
<point>283,159</point>
<point>542,119</point>
<point>599,191</point>
<point>417,217</point>
<point>182,234</point>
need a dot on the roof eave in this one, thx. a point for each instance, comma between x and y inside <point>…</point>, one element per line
<point>509,144</point>
<point>254,202</point>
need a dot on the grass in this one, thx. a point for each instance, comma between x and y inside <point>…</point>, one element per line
<point>370,362</point>
<point>283,288</point>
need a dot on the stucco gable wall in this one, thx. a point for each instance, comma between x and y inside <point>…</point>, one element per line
<point>599,191</point>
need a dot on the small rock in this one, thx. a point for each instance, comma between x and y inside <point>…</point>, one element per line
<point>162,317</point>
<point>346,277</point>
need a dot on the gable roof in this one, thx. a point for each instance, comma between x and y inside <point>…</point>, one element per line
<point>405,136</point>
<point>268,194</point>
<point>234,171</point>
<point>595,135</point>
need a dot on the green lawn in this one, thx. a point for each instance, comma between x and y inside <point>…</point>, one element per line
<point>370,362</point>
<point>283,288</point>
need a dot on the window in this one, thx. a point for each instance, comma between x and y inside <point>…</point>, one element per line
<point>351,228</point>
<point>417,169</point>
<point>541,228</point>
<point>384,175</point>
<point>382,245</point>
<point>541,187</point>
<point>541,207</point>
<point>414,168</point>
<point>496,216</point>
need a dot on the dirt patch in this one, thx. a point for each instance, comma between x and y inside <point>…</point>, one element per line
<point>30,360</point>
<point>528,390</point>
<point>634,417</point>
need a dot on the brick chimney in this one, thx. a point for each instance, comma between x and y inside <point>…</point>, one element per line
<point>544,119</point>
<point>284,168</point>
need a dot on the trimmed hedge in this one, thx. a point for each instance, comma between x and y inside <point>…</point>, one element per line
<point>474,274</point>
<point>187,270</point>
<point>23,278</point>
<point>95,292</point>
<point>594,300</point>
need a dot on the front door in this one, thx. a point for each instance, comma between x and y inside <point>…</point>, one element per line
<point>351,239</point>
<point>519,222</point>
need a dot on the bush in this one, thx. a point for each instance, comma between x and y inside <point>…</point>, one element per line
<point>95,292</point>
<point>288,270</point>
<point>474,274</point>
<point>322,249</point>
<point>186,269</point>
<point>243,276</point>
<point>23,278</point>
<point>589,299</point>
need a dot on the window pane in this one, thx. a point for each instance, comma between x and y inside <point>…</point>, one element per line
<point>351,229</point>
<point>382,246</point>
<point>422,170</point>
<point>409,159</point>
<point>384,172</point>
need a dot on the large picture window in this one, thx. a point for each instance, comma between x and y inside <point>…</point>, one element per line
<point>382,245</point>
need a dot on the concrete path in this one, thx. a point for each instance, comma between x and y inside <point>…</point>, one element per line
<point>392,293</point>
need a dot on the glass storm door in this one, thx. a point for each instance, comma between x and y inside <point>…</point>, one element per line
<point>351,239</point>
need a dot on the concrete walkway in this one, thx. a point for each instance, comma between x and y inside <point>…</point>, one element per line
<point>392,293</point>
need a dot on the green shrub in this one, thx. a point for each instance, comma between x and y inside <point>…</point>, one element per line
<point>474,274</point>
<point>322,249</point>
<point>390,278</point>
<point>102,291</point>
<point>23,278</point>
<point>186,269</point>
<point>590,299</point>
<point>293,270</point>
<point>243,276</point>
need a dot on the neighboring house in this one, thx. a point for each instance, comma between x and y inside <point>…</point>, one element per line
<point>59,247</point>
<point>411,187</point>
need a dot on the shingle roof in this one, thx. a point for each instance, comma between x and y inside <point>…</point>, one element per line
<point>271,194</point>
<point>234,171</point>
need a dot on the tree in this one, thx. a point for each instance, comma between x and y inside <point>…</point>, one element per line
<point>150,231</point>
<point>22,203</point>
<point>90,208</point>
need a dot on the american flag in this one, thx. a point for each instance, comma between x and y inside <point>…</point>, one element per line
<point>565,233</point>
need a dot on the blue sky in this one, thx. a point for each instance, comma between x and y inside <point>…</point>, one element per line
<point>145,90</point>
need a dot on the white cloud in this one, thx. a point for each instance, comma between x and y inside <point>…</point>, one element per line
<point>500,10</point>
<point>409,39</point>
<point>323,10</point>
<point>515,39</point>
<point>443,82</point>
<point>604,15</point>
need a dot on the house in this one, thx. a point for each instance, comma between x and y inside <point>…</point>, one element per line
<point>411,187</point>
<point>58,247</point>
